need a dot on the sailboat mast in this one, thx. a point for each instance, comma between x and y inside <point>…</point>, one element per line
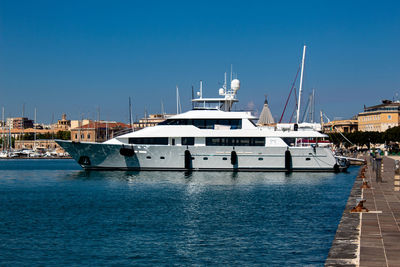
<point>301,84</point>
<point>130,113</point>
<point>313,106</point>
<point>34,131</point>
<point>2,132</point>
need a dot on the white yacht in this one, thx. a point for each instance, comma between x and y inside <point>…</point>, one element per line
<point>213,137</point>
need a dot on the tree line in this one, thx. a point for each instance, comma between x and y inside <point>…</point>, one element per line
<point>366,138</point>
<point>63,135</point>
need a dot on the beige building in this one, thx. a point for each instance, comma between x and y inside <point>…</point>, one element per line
<point>343,126</point>
<point>79,123</point>
<point>98,131</point>
<point>379,118</point>
<point>151,120</point>
<point>63,124</point>
<point>44,144</point>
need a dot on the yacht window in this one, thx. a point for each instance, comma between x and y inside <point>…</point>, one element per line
<point>199,124</point>
<point>210,124</point>
<point>148,157</point>
<point>188,141</point>
<point>173,141</point>
<point>205,158</point>
<point>205,123</point>
<point>224,158</point>
<point>235,141</point>
<point>162,157</point>
<point>260,159</point>
<point>236,124</point>
<point>149,140</point>
<point>289,141</point>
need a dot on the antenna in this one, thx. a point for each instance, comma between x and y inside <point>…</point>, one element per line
<point>201,89</point>
<point>178,101</point>
<point>225,84</point>
<point>192,96</point>
<point>301,83</point>
<point>231,72</point>
<point>162,108</point>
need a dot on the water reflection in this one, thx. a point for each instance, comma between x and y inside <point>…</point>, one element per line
<point>203,178</point>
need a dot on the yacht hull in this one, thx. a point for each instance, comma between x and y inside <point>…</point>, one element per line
<point>100,156</point>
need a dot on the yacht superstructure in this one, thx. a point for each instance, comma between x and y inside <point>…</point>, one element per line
<point>210,137</point>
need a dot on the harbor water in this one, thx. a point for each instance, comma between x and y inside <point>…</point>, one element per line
<point>53,213</point>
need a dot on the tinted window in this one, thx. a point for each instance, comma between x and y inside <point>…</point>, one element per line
<point>205,123</point>
<point>187,141</point>
<point>235,141</point>
<point>199,123</point>
<point>149,141</point>
<point>289,141</point>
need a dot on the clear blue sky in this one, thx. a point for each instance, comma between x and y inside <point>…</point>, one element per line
<point>76,56</point>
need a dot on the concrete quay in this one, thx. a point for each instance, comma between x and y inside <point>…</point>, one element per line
<point>370,238</point>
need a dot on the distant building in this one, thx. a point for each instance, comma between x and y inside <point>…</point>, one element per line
<point>379,118</point>
<point>63,124</point>
<point>79,123</point>
<point>343,126</point>
<point>151,120</point>
<point>19,123</point>
<point>98,131</point>
<point>44,144</point>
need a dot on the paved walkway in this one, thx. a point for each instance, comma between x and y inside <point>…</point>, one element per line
<point>380,232</point>
<point>370,238</point>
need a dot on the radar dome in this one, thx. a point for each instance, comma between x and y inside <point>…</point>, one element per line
<point>235,84</point>
<point>221,91</point>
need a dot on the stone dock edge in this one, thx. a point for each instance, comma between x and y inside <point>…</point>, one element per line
<point>345,249</point>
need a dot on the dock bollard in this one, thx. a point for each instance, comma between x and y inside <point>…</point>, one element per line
<point>365,185</point>
<point>373,163</point>
<point>360,207</point>
<point>378,170</point>
<point>396,175</point>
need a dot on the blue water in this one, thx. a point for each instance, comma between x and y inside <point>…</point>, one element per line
<point>52,213</point>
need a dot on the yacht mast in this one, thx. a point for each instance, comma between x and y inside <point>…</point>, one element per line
<point>301,84</point>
